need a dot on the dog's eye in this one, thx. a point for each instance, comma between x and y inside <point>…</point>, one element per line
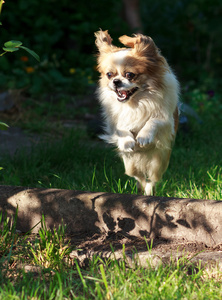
<point>129,75</point>
<point>109,75</point>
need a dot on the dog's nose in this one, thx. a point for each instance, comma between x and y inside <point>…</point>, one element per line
<point>117,82</point>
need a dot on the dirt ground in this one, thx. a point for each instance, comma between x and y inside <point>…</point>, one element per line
<point>146,253</point>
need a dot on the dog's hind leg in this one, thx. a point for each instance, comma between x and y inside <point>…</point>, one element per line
<point>141,182</point>
<point>144,186</point>
<point>149,189</point>
<point>132,171</point>
<point>155,170</point>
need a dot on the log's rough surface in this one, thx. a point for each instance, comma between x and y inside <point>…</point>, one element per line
<point>190,220</point>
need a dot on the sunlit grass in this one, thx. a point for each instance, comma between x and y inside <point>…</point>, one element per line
<point>46,271</point>
<point>40,267</point>
<point>73,162</point>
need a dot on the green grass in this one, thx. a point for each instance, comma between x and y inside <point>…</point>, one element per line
<point>76,162</point>
<point>40,268</point>
<point>71,160</point>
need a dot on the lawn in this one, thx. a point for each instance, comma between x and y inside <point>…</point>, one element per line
<point>72,159</point>
<point>39,267</point>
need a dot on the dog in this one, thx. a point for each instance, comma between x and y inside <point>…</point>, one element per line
<point>139,94</point>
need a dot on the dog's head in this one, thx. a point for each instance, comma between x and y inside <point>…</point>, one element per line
<point>132,70</point>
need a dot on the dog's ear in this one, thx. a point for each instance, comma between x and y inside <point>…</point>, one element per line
<point>103,40</point>
<point>142,44</point>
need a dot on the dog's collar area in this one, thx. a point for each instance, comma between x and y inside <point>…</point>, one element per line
<point>124,95</point>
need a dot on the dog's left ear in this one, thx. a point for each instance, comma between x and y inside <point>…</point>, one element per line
<point>103,40</point>
<point>142,44</point>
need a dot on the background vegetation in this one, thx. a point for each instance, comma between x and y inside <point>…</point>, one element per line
<point>62,33</point>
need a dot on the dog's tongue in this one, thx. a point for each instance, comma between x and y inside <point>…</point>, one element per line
<point>122,94</point>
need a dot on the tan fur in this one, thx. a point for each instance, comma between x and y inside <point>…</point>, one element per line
<point>141,113</point>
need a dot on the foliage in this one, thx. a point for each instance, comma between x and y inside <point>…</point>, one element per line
<point>66,46</point>
<point>188,34</point>
<point>63,34</point>
<point>3,126</point>
<point>12,46</point>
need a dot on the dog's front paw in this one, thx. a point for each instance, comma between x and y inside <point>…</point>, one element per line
<point>126,144</point>
<point>129,146</point>
<point>144,140</point>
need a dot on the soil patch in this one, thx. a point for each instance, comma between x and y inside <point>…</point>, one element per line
<point>145,252</point>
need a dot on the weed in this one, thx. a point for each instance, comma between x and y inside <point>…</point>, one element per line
<point>50,249</point>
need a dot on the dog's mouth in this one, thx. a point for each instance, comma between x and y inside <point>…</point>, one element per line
<point>123,95</point>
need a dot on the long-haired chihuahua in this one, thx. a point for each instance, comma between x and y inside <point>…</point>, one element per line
<point>139,93</point>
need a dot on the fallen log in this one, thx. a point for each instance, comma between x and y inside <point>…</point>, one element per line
<point>190,220</point>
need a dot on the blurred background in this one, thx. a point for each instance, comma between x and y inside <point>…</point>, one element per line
<point>62,33</point>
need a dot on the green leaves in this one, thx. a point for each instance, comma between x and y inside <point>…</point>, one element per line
<point>31,52</point>
<point>3,126</point>
<point>12,46</point>
<point>1,2</point>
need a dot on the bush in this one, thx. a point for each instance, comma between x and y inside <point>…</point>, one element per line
<point>62,33</point>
